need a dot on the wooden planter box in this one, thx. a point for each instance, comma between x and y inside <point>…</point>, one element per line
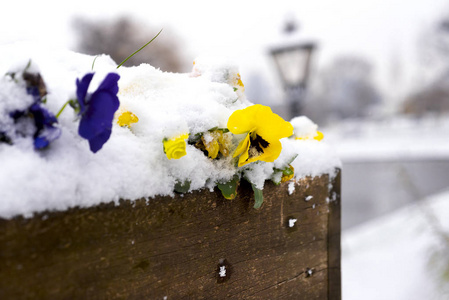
<point>193,246</point>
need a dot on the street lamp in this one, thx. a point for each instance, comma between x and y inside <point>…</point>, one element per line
<point>292,60</point>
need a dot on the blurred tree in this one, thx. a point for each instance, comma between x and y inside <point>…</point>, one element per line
<point>120,37</point>
<point>431,94</point>
<point>344,89</point>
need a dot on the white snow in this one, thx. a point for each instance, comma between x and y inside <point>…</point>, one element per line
<point>308,198</point>
<point>132,164</point>
<point>304,127</point>
<point>391,139</point>
<point>291,222</point>
<point>400,256</point>
<point>291,188</point>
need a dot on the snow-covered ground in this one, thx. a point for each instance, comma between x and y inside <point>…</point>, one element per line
<point>389,163</point>
<point>400,256</point>
<point>393,139</point>
<point>395,201</point>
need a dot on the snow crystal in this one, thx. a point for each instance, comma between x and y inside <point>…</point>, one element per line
<point>291,222</point>
<point>308,198</point>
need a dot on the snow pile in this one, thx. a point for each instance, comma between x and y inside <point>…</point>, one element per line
<point>404,254</point>
<point>132,164</point>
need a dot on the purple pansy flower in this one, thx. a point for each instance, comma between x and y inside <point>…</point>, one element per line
<point>44,121</point>
<point>45,129</point>
<point>97,109</point>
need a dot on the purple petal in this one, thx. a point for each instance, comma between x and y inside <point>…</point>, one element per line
<point>110,83</point>
<point>96,121</point>
<point>47,135</point>
<point>97,142</point>
<point>99,114</point>
<point>81,90</point>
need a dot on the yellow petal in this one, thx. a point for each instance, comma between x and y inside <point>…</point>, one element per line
<point>239,81</point>
<point>127,118</point>
<point>272,152</point>
<point>225,143</point>
<point>212,147</point>
<point>260,119</point>
<point>175,148</point>
<point>319,136</point>
<point>242,147</point>
<point>288,177</point>
<point>273,127</point>
<point>244,120</point>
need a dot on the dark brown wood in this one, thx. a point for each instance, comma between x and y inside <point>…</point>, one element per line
<point>193,246</point>
<point>334,238</point>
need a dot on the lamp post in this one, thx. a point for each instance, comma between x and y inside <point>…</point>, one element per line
<point>293,65</point>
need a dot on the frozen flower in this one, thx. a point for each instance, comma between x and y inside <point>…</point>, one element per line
<point>215,142</point>
<point>46,131</point>
<point>317,136</point>
<point>305,129</point>
<point>263,130</point>
<point>97,109</point>
<point>236,82</point>
<point>127,118</point>
<point>175,148</point>
<point>288,173</point>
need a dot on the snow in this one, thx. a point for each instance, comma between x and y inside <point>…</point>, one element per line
<point>396,139</point>
<point>291,188</point>
<point>399,256</point>
<point>132,164</point>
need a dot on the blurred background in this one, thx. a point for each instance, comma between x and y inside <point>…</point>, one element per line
<point>373,74</point>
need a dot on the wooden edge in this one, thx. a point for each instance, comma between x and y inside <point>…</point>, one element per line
<point>334,238</point>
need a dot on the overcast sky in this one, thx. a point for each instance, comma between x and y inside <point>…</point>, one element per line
<point>381,30</point>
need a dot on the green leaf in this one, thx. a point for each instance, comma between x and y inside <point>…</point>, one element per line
<point>229,189</point>
<point>288,171</point>
<point>292,159</point>
<point>258,196</point>
<point>182,187</point>
<point>139,50</point>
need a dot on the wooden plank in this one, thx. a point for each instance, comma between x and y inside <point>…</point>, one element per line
<point>193,246</point>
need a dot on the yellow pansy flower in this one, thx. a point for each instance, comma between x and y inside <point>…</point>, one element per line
<point>288,173</point>
<point>319,136</point>
<point>175,148</point>
<point>127,118</point>
<point>305,129</point>
<point>216,142</point>
<point>263,130</point>
<point>236,82</point>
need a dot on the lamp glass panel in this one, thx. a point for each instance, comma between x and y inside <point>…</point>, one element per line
<point>293,65</point>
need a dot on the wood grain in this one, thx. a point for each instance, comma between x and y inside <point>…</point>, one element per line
<point>193,246</point>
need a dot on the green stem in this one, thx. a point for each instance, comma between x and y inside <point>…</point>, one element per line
<point>93,63</point>
<point>138,50</point>
<point>62,108</point>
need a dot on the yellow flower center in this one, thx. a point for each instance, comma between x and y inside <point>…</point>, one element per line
<point>256,145</point>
